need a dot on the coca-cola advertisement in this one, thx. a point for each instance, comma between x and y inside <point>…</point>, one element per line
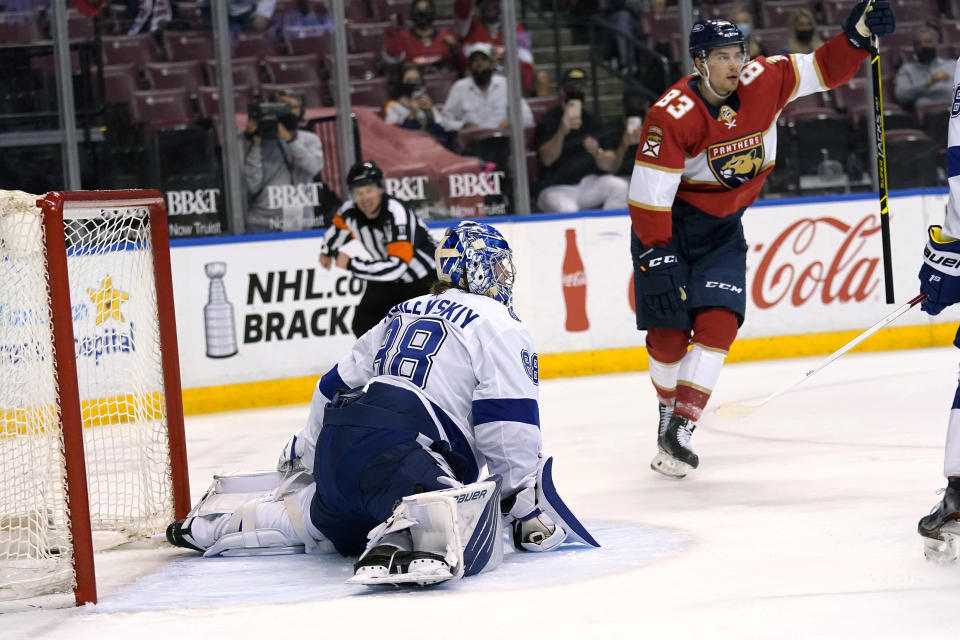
<point>813,266</point>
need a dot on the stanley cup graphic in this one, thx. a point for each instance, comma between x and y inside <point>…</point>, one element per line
<point>218,323</point>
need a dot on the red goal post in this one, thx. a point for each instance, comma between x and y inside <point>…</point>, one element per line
<point>91,415</point>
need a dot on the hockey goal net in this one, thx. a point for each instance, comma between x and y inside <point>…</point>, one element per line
<point>91,421</point>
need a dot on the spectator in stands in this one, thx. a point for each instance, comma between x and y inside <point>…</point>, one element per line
<point>803,35</point>
<point>624,16</point>
<point>422,44</point>
<point>575,172</point>
<point>627,131</point>
<point>158,13</point>
<point>483,24</point>
<point>480,99</point>
<point>279,171</point>
<point>244,15</point>
<point>927,79</point>
<point>411,106</point>
<point>744,21</point>
<point>303,18</point>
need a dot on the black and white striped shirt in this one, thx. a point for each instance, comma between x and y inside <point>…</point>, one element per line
<point>400,246</point>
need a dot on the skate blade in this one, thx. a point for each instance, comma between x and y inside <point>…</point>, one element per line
<point>946,551</point>
<point>669,466</point>
<point>402,579</point>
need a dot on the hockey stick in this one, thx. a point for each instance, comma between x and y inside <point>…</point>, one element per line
<point>733,410</point>
<point>881,167</point>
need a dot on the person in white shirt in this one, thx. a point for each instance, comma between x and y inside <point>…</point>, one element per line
<point>480,99</point>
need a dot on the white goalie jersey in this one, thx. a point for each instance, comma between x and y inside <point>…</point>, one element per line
<point>474,366</point>
<point>951,225</point>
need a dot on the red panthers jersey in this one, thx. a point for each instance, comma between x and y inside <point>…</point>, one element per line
<point>716,159</point>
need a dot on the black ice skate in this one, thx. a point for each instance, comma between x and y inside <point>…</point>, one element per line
<point>179,535</point>
<point>665,414</point>
<point>387,564</point>
<point>675,458</point>
<point>941,527</point>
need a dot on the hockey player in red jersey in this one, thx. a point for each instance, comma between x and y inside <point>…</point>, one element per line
<point>706,147</point>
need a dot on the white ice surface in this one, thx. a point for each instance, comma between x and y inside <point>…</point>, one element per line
<point>800,523</point>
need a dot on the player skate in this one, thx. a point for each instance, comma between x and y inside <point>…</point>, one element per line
<point>941,527</point>
<point>435,536</point>
<point>676,457</point>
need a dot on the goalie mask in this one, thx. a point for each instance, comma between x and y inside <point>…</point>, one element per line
<point>474,257</point>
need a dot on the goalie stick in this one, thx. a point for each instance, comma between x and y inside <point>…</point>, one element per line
<point>734,410</point>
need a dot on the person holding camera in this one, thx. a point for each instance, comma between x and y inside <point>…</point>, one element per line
<point>575,172</point>
<point>411,106</point>
<point>280,164</point>
<point>401,261</point>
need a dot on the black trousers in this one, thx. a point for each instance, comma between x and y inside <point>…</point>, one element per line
<point>380,297</point>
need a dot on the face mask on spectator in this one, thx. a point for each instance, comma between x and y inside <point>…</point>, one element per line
<point>409,89</point>
<point>290,121</point>
<point>490,15</point>
<point>744,28</point>
<point>423,18</point>
<point>925,55</point>
<point>804,35</point>
<point>482,77</point>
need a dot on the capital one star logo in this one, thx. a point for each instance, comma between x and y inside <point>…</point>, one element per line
<point>108,301</point>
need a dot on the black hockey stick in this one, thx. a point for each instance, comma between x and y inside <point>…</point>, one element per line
<point>881,167</point>
<point>733,410</point>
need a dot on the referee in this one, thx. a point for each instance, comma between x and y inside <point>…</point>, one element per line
<point>401,248</point>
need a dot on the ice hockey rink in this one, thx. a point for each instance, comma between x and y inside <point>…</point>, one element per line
<point>800,523</point>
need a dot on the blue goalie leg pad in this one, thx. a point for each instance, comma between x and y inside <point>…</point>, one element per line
<point>549,500</point>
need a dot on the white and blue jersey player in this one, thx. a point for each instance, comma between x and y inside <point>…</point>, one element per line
<point>399,432</point>
<point>940,282</point>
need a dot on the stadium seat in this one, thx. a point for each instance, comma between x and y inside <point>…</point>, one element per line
<point>19,27</point>
<point>367,37</point>
<point>252,44</point>
<point>246,71</point>
<point>209,99</point>
<point>438,85</point>
<point>666,23</point>
<point>188,45</point>
<point>912,159</point>
<point>138,49</point>
<point>161,108</point>
<point>312,92</point>
<point>119,82</point>
<point>353,11</point>
<point>540,105</point>
<point>894,116</point>
<point>79,26</point>
<point>287,69</point>
<point>812,100</point>
<point>359,65</point>
<point>384,8</point>
<point>819,129</point>
<point>173,75</point>
<point>935,118</point>
<point>369,93</point>
<point>305,40</point>
<point>773,40</point>
<point>467,137</point>
<point>779,14</point>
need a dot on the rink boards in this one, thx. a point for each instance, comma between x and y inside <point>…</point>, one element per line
<point>259,320</point>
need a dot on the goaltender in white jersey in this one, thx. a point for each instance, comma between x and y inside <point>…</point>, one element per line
<point>399,432</point>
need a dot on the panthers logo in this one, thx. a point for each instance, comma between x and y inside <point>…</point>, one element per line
<point>738,161</point>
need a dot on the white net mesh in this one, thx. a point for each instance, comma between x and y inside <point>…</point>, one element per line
<point>114,307</point>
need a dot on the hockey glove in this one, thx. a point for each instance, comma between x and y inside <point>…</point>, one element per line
<point>662,288</point>
<point>940,272</point>
<point>533,530</point>
<point>869,18</point>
